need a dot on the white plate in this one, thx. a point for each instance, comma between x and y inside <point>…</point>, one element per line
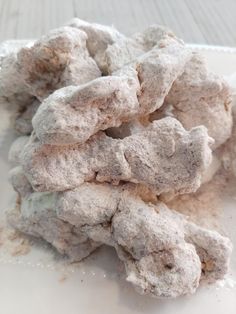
<point>38,284</point>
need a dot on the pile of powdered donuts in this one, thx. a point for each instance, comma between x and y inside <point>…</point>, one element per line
<point>112,128</point>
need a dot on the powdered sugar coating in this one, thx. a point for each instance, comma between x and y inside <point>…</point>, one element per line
<point>213,249</point>
<point>73,114</point>
<point>159,247</point>
<point>12,88</point>
<point>19,181</point>
<point>16,149</point>
<point>101,187</point>
<point>99,38</point>
<point>56,60</point>
<point>36,216</point>
<point>128,49</point>
<point>199,97</point>
<point>157,70</point>
<point>164,157</point>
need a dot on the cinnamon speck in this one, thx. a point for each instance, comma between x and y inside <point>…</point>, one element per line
<point>63,278</point>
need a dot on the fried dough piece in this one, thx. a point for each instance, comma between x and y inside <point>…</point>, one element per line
<point>12,88</point>
<point>19,181</point>
<point>157,274</point>
<point>213,249</point>
<point>73,114</point>
<point>56,60</point>
<point>199,97</point>
<point>157,70</point>
<point>165,157</point>
<point>128,49</point>
<point>16,149</point>
<point>163,253</point>
<point>36,216</point>
<point>99,38</point>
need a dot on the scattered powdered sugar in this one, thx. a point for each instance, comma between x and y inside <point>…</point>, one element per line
<point>205,207</point>
<point>227,282</point>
